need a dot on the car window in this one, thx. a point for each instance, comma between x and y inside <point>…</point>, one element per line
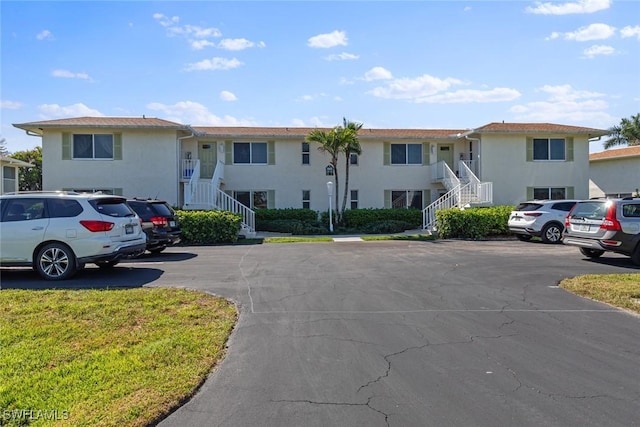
<point>528,206</point>
<point>23,209</point>
<point>631,210</point>
<point>143,209</point>
<point>563,206</point>
<point>590,210</point>
<point>112,207</point>
<point>63,208</point>
<point>163,209</point>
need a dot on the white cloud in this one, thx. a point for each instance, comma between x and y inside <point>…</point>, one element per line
<point>572,7</point>
<point>216,63</point>
<point>201,44</point>
<point>377,73</point>
<point>324,41</point>
<point>566,105</point>
<point>590,32</point>
<point>10,105</point>
<point>630,31</point>
<point>413,88</point>
<point>197,37</point>
<point>196,114</point>
<point>466,96</point>
<point>598,49</point>
<point>344,56</point>
<point>49,111</point>
<point>238,44</point>
<point>225,95</point>
<point>44,35</point>
<point>165,21</point>
<point>66,74</point>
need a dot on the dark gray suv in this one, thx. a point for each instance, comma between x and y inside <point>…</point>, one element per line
<point>598,226</point>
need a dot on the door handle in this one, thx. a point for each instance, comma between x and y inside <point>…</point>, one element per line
<point>38,228</point>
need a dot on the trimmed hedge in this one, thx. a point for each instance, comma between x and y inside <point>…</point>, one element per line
<point>208,227</point>
<point>265,218</point>
<point>473,223</point>
<point>360,218</point>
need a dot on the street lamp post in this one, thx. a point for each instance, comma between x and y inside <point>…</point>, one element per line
<point>330,191</point>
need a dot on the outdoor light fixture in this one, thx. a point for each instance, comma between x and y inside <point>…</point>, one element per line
<point>328,170</point>
<point>330,192</point>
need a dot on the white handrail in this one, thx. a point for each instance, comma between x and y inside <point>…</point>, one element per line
<point>227,203</point>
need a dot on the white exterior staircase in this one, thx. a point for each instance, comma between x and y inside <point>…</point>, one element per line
<point>463,191</point>
<point>206,194</point>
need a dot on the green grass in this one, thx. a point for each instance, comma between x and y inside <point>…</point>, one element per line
<point>619,290</point>
<point>107,357</point>
<point>408,237</point>
<point>297,239</point>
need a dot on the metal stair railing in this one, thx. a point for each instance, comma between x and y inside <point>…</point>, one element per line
<point>227,203</point>
<point>191,187</point>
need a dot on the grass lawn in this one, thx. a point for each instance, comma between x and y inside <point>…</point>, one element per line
<point>619,290</point>
<point>106,357</point>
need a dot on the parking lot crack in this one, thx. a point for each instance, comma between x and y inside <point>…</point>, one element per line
<point>314,402</point>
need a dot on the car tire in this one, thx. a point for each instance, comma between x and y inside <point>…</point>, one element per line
<point>55,261</point>
<point>107,264</point>
<point>635,255</point>
<point>523,237</point>
<point>157,250</point>
<point>591,253</point>
<point>552,233</point>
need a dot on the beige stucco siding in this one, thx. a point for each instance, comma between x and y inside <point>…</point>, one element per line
<point>148,167</point>
<point>289,177</point>
<point>504,162</point>
<point>614,176</point>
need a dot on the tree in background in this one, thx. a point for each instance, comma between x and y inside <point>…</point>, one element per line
<point>626,133</point>
<point>350,145</point>
<point>329,143</point>
<point>30,179</point>
<point>3,147</point>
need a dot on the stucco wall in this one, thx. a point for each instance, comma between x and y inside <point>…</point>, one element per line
<point>504,162</point>
<point>614,176</point>
<point>148,167</point>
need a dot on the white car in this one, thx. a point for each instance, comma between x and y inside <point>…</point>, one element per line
<point>57,233</point>
<point>540,218</point>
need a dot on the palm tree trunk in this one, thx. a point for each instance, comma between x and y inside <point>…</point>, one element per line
<point>346,186</point>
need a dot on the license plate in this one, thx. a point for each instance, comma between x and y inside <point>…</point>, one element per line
<point>583,228</point>
<point>128,229</point>
<point>172,223</point>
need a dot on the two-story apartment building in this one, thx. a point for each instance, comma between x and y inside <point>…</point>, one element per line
<point>245,168</point>
<point>9,173</point>
<point>615,172</point>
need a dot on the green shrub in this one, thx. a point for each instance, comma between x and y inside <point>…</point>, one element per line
<point>473,223</point>
<point>359,218</point>
<point>265,217</point>
<point>388,226</point>
<point>293,226</point>
<point>207,227</point>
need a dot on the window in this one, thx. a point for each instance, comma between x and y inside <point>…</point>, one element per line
<point>252,199</point>
<point>550,193</point>
<point>8,178</point>
<point>549,149</point>
<point>406,199</point>
<point>306,199</point>
<point>406,154</point>
<point>23,209</point>
<point>92,146</point>
<point>305,153</point>
<point>353,159</point>
<point>354,199</point>
<point>250,153</point>
<point>64,208</point>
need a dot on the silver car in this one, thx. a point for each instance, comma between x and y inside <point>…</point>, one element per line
<point>540,218</point>
<point>598,226</point>
<point>57,233</point>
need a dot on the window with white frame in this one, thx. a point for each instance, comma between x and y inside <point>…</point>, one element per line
<point>406,154</point>
<point>252,199</point>
<point>549,149</point>
<point>354,199</point>
<point>549,193</point>
<point>305,154</point>
<point>93,146</point>
<point>8,178</point>
<point>254,153</point>
<point>306,199</point>
<point>404,199</point>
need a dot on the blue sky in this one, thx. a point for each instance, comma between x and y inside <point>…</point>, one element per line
<point>387,64</point>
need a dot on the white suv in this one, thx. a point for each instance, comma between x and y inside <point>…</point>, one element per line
<point>57,233</point>
<point>540,218</point>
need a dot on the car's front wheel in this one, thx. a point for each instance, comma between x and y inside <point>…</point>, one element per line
<point>591,253</point>
<point>552,233</point>
<point>55,261</point>
<point>157,250</point>
<point>523,237</point>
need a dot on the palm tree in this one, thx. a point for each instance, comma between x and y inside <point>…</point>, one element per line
<point>626,133</point>
<point>350,145</point>
<point>329,143</point>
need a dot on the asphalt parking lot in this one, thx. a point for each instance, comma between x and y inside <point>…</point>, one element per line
<point>397,333</point>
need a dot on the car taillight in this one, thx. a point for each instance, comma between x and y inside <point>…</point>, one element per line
<point>534,214</point>
<point>97,226</point>
<point>610,222</point>
<point>159,221</point>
